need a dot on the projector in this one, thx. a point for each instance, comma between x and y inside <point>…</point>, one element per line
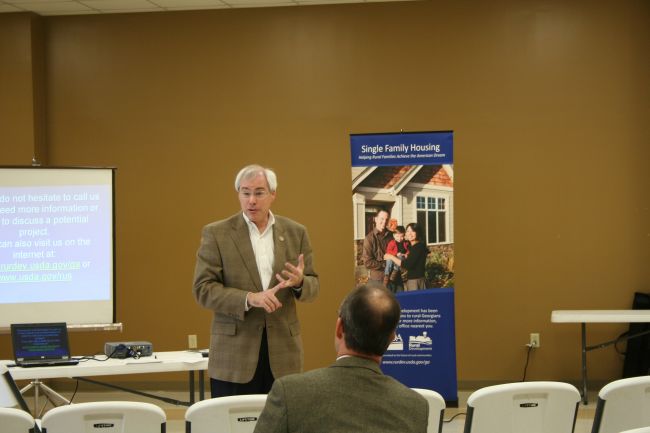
<point>128,349</point>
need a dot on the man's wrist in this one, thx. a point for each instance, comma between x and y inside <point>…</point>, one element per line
<point>247,305</point>
<point>297,290</point>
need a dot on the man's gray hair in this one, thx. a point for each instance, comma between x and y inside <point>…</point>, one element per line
<point>253,170</point>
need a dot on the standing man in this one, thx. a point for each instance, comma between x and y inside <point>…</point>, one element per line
<point>250,270</point>
<point>352,395</point>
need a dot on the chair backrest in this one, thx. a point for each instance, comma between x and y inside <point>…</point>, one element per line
<point>15,420</point>
<point>531,407</point>
<point>623,405</point>
<point>10,395</point>
<point>105,417</point>
<point>234,414</point>
<point>436,409</point>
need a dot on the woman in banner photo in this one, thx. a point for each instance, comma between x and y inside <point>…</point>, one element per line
<point>415,261</point>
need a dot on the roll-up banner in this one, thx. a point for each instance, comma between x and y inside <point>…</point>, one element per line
<point>403,215</point>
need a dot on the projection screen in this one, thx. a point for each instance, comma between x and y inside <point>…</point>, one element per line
<point>57,248</point>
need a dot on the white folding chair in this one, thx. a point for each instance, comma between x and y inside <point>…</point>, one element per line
<point>234,414</point>
<point>531,407</point>
<point>105,417</point>
<point>623,405</point>
<point>10,395</point>
<point>16,420</point>
<point>13,419</point>
<point>436,409</point>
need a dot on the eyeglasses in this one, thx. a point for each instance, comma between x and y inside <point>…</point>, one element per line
<point>258,194</point>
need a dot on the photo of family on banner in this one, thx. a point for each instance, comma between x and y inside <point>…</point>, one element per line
<point>403,203</point>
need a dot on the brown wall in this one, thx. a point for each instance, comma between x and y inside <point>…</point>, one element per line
<point>21,89</point>
<point>548,101</point>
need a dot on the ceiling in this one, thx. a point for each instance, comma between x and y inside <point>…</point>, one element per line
<point>81,7</point>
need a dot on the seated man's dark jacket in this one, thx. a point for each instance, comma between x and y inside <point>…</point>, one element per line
<point>351,396</point>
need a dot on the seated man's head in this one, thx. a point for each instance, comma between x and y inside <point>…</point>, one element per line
<point>367,321</point>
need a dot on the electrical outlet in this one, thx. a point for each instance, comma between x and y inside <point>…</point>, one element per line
<point>191,341</point>
<point>534,340</point>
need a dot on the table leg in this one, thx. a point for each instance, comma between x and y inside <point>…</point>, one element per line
<point>191,386</point>
<point>584,363</point>
<point>36,412</point>
<point>201,385</point>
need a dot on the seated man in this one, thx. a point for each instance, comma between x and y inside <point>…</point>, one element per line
<point>352,395</point>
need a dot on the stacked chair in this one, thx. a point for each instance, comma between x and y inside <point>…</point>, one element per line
<point>436,409</point>
<point>16,420</point>
<point>13,419</point>
<point>239,414</point>
<point>530,407</point>
<point>623,405</point>
<point>105,417</point>
<point>235,414</point>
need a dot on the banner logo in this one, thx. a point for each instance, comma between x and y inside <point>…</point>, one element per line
<point>397,344</point>
<point>420,342</point>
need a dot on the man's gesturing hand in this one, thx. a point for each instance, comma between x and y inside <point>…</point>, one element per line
<point>265,299</point>
<point>292,276</point>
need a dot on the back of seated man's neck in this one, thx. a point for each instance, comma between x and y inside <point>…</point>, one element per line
<point>347,354</point>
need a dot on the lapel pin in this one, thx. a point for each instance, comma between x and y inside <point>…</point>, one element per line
<point>281,238</point>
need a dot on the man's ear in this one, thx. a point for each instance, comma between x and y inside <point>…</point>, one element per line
<point>339,328</point>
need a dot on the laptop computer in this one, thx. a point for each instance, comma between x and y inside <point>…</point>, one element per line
<point>41,344</point>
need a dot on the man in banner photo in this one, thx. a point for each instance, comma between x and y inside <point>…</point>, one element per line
<point>374,247</point>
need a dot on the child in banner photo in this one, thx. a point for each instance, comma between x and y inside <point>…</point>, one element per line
<point>397,247</point>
